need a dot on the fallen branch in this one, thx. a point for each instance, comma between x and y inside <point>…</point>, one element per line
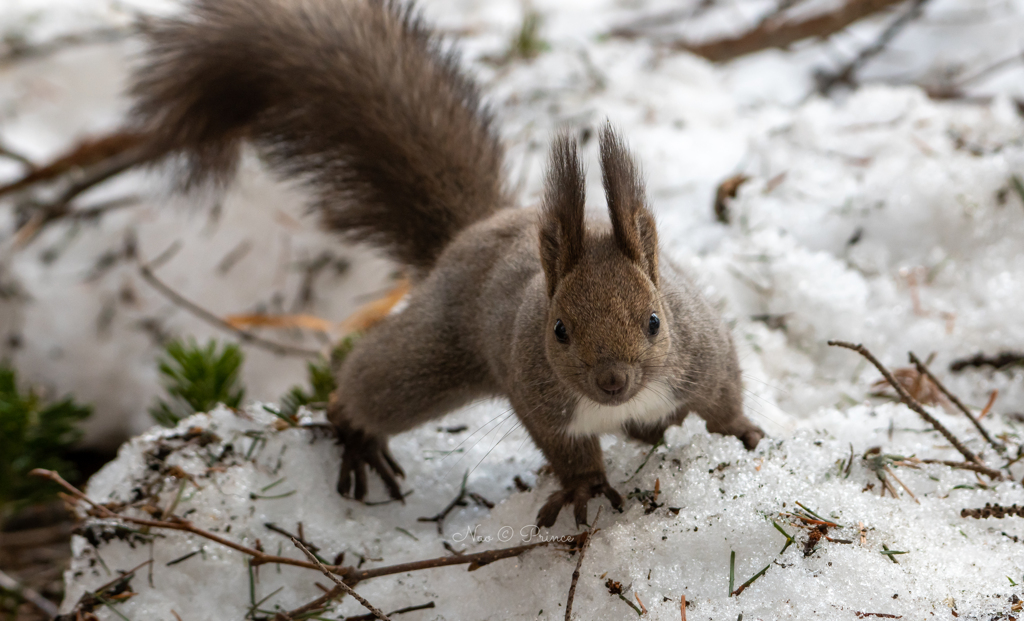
<point>921,368</point>
<point>341,585</point>
<point>171,523</point>
<point>245,336</point>
<point>912,403</point>
<point>781,33</point>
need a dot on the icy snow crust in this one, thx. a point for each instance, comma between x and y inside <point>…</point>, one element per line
<point>715,498</point>
<point>882,217</point>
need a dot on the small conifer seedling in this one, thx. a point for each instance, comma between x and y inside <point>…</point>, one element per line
<point>33,434</point>
<point>197,378</point>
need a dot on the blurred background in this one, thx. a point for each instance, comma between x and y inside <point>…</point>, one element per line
<point>829,168</point>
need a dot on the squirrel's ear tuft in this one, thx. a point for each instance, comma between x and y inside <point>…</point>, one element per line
<point>632,220</point>
<point>561,229</point>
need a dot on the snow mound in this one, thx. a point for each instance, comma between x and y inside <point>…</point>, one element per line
<point>235,474</point>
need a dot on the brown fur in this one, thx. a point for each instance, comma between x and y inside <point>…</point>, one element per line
<point>407,158</point>
<point>356,98</point>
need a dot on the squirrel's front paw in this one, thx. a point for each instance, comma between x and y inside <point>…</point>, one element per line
<point>751,437</point>
<point>578,494</point>
<point>362,450</point>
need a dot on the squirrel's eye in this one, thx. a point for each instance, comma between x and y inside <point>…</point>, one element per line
<point>560,332</point>
<point>653,325</point>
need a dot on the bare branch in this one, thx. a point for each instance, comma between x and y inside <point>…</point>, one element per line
<point>912,403</point>
<point>921,368</point>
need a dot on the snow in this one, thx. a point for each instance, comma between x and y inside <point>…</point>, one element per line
<point>715,498</point>
<point>879,216</point>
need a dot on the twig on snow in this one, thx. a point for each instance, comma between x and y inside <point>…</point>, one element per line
<point>350,574</point>
<point>921,368</point>
<point>912,403</point>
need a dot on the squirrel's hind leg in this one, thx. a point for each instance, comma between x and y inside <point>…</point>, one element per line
<point>403,372</point>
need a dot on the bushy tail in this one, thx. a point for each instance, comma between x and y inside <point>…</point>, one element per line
<point>355,97</point>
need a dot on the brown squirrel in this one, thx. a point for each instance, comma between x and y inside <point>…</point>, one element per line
<point>578,323</point>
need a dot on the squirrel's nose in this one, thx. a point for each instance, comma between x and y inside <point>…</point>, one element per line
<point>612,380</point>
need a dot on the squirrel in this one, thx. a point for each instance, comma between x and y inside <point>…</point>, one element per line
<point>578,322</point>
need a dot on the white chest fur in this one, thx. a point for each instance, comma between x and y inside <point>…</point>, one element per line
<point>652,404</point>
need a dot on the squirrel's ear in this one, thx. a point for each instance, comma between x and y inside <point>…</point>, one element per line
<point>632,220</point>
<point>561,228</point>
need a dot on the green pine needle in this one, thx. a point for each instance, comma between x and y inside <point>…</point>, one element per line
<point>197,378</point>
<point>33,434</point>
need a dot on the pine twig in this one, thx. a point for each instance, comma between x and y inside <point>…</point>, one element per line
<point>913,404</point>
<point>344,587</point>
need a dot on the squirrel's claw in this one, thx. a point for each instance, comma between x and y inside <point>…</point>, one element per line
<point>362,450</point>
<point>577,495</point>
